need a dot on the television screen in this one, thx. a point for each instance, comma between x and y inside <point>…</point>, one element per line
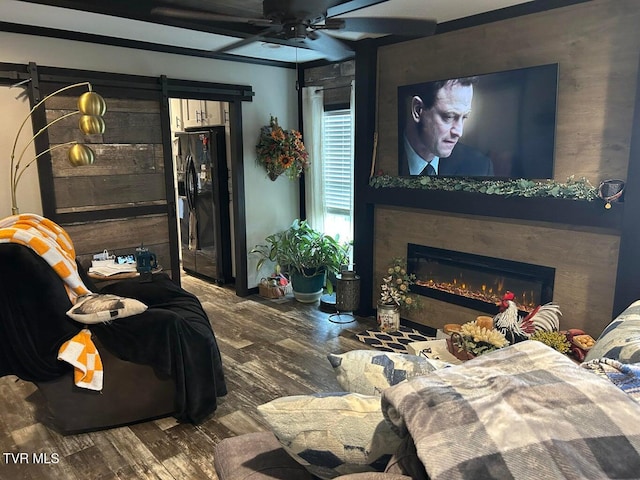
<point>499,125</point>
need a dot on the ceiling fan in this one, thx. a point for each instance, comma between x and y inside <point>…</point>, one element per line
<point>304,22</point>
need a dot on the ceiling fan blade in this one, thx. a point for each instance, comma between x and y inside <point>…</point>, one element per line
<point>389,25</point>
<point>332,48</point>
<point>253,38</point>
<point>349,6</point>
<point>208,16</point>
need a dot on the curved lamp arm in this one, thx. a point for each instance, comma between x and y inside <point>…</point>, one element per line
<point>89,104</point>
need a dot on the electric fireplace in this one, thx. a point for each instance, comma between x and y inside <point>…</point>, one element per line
<point>476,281</point>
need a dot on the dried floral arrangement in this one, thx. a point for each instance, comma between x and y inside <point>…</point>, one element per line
<point>575,189</point>
<point>395,285</point>
<point>281,151</point>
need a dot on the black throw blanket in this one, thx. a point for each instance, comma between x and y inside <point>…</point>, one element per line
<point>173,336</point>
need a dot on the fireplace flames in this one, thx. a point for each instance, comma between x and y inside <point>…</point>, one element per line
<point>525,301</point>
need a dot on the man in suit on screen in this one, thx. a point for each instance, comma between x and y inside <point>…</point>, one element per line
<point>433,127</point>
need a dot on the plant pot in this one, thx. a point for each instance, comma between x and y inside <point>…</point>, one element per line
<point>455,345</point>
<point>273,176</point>
<point>307,288</point>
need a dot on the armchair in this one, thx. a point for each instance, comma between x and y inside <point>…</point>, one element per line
<point>164,361</point>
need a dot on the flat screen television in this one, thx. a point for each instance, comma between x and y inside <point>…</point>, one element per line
<point>505,128</point>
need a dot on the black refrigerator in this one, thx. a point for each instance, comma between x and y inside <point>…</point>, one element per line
<point>203,204</point>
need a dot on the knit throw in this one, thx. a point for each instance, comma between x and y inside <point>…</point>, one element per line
<point>53,244</point>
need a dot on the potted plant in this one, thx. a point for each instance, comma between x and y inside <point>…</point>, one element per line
<point>307,255</point>
<point>473,340</point>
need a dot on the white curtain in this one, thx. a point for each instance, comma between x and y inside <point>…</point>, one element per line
<point>352,112</point>
<point>312,117</point>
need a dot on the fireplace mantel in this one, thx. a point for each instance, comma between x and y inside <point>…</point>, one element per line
<point>541,209</point>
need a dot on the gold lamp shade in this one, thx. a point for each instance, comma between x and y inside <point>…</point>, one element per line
<point>91,124</point>
<point>80,154</point>
<point>92,103</point>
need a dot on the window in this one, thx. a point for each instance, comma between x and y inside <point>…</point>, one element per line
<point>337,153</point>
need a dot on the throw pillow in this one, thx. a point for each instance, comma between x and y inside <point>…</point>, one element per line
<point>369,372</point>
<point>332,434</point>
<point>621,339</point>
<point>100,308</point>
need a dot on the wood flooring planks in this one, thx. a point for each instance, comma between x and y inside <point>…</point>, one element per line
<point>269,349</point>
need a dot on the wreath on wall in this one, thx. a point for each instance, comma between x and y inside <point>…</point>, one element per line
<point>281,151</point>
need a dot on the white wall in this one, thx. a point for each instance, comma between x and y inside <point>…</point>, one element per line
<point>15,108</point>
<point>270,206</point>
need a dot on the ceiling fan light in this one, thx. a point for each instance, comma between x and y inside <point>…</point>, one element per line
<point>91,124</point>
<point>80,154</point>
<point>92,103</point>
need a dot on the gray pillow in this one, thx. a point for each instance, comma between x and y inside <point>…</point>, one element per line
<point>621,339</point>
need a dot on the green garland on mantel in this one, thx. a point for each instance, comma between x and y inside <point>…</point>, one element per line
<point>574,189</point>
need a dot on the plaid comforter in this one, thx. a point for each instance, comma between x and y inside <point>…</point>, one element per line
<point>522,412</point>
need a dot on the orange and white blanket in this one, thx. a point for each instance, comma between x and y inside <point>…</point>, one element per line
<point>54,245</point>
<point>81,352</point>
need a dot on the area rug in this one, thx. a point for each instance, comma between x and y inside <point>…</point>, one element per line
<point>392,341</point>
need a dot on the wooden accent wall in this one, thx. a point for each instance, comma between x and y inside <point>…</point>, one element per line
<point>121,236</point>
<point>335,78</point>
<point>128,173</point>
<point>584,260</point>
<point>128,169</point>
<point>597,46</point>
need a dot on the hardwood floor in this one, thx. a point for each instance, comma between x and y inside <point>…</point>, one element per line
<point>270,349</point>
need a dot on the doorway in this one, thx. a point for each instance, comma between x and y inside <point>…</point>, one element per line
<point>203,172</point>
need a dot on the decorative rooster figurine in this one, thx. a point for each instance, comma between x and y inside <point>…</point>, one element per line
<point>516,329</point>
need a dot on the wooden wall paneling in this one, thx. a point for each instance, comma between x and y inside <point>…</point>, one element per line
<point>128,120</point>
<point>121,233</point>
<point>112,190</point>
<point>133,127</point>
<point>128,172</point>
<point>134,163</point>
<point>114,159</point>
<point>121,236</point>
<point>132,133</point>
<point>335,78</point>
<point>584,259</point>
<point>596,45</point>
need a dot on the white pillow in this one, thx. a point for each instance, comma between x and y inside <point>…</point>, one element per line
<point>369,372</point>
<point>100,308</point>
<point>332,434</point>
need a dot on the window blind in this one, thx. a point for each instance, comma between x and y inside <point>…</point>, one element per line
<point>338,164</point>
